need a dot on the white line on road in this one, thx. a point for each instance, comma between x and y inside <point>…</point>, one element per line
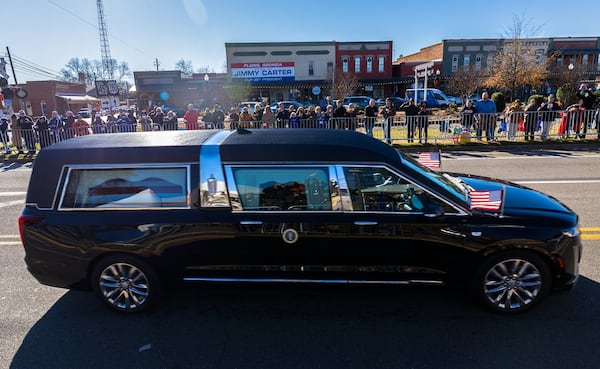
<point>11,203</point>
<point>13,193</point>
<point>560,181</point>
<point>7,243</point>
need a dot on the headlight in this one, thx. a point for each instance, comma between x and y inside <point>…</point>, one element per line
<point>571,232</point>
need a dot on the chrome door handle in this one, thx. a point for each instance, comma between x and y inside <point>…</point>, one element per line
<point>364,223</point>
<point>251,222</point>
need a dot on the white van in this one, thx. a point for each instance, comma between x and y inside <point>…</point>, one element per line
<point>435,98</point>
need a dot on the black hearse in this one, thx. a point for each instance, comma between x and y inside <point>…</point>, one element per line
<point>124,214</point>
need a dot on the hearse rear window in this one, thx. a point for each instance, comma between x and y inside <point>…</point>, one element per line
<point>156,187</point>
<point>276,189</point>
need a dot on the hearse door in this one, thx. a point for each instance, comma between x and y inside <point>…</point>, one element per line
<point>286,218</point>
<point>396,225</point>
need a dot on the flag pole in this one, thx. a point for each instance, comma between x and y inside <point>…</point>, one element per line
<point>440,153</point>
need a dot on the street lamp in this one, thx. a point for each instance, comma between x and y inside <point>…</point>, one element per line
<point>571,66</point>
<point>437,77</point>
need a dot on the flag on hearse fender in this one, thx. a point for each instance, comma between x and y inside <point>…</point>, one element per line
<point>486,199</point>
<point>430,159</point>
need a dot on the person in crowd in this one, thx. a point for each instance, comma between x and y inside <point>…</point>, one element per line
<point>322,117</point>
<point>370,115</point>
<point>311,114</point>
<point>42,126</point>
<point>190,117</point>
<point>268,117</point>
<point>81,126</point>
<point>132,119</point>
<point>301,113</point>
<point>68,131</point>
<point>339,115</point>
<point>467,115</point>
<point>282,116</point>
<point>423,121</point>
<point>531,119</point>
<point>548,113</point>
<point>486,117</point>
<point>294,120</point>
<point>351,115</point>
<point>245,118</point>
<point>586,104</point>
<point>111,123</point>
<point>123,122</point>
<point>234,118</point>
<point>4,132</point>
<point>218,116</point>
<point>514,115</point>
<point>411,110</point>
<point>388,113</point>
<point>171,121</point>
<point>146,122</point>
<point>159,117</point>
<point>258,113</point>
<point>207,119</point>
<point>23,128</point>
<point>98,125</point>
<point>55,126</point>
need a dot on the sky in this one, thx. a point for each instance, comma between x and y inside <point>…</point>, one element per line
<point>142,31</point>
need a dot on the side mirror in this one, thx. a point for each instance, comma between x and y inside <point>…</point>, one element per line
<point>433,211</point>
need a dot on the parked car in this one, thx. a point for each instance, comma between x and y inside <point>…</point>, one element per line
<point>397,101</point>
<point>286,105</point>
<point>251,105</point>
<point>84,113</point>
<point>455,100</point>
<point>435,98</point>
<point>126,215</point>
<point>360,102</point>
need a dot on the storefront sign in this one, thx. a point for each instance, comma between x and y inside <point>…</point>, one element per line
<point>263,72</point>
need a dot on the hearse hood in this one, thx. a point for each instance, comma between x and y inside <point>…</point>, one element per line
<point>519,200</point>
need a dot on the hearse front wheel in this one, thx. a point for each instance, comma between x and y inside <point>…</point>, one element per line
<point>512,282</point>
<point>125,283</point>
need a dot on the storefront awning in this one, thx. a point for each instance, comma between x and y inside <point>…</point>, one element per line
<point>77,99</point>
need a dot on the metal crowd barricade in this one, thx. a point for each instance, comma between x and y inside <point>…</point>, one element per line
<point>571,123</point>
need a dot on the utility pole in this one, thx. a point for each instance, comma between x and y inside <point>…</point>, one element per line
<point>12,67</point>
<point>156,63</point>
<point>107,62</point>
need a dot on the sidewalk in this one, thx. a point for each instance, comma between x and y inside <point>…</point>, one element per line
<point>568,145</point>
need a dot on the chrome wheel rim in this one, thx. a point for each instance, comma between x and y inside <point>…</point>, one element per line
<point>124,286</point>
<point>512,284</point>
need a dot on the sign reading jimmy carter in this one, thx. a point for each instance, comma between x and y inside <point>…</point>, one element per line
<point>264,72</point>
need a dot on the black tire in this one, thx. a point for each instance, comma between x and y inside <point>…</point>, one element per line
<point>125,283</point>
<point>511,282</point>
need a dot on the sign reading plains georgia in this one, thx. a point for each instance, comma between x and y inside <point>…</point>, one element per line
<point>264,72</point>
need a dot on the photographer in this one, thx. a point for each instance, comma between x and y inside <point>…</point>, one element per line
<point>388,112</point>
<point>586,103</point>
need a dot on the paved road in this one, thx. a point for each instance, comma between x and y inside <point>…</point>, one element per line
<point>313,327</point>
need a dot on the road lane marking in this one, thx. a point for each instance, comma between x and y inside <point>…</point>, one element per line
<point>13,193</point>
<point>590,229</point>
<point>7,243</point>
<point>559,181</point>
<point>12,203</point>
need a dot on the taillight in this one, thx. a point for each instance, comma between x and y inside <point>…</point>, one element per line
<point>27,219</point>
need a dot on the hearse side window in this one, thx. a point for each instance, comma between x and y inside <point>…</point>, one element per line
<point>105,188</point>
<point>283,189</point>
<point>377,189</point>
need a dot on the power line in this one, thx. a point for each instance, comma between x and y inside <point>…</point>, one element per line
<point>78,16</point>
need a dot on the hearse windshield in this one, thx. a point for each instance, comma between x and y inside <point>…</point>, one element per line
<point>451,183</point>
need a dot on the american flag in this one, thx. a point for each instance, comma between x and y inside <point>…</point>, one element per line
<point>486,200</point>
<point>430,159</point>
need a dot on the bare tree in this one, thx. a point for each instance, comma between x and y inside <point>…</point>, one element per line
<point>345,85</point>
<point>205,69</point>
<point>516,65</point>
<point>238,90</point>
<point>91,70</point>
<point>185,66</point>
<point>465,83</point>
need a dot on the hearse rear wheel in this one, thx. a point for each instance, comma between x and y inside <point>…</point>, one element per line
<point>125,283</point>
<point>512,282</point>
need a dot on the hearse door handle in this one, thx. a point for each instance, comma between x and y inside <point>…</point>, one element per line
<point>251,222</point>
<point>364,223</point>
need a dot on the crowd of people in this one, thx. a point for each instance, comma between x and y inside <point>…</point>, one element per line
<point>480,117</point>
